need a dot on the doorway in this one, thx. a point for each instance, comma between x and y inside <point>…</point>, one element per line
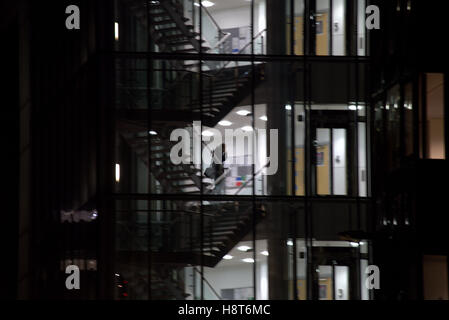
<point>335,274</point>
<point>333,149</point>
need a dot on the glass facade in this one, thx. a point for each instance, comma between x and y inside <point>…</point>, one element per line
<point>275,218</point>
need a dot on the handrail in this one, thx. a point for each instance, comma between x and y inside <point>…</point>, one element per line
<point>213,20</point>
<point>227,35</point>
<point>207,282</point>
<point>241,50</point>
<point>252,178</point>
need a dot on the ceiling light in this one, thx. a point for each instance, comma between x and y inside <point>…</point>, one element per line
<point>288,107</point>
<point>243,112</point>
<point>264,253</point>
<point>228,257</point>
<point>290,243</point>
<point>247,128</point>
<point>153,133</point>
<point>352,108</point>
<point>248,260</point>
<point>206,4</point>
<point>243,248</point>
<point>263,118</point>
<point>225,123</point>
<point>354,244</point>
<point>208,133</point>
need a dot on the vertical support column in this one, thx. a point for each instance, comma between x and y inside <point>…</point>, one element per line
<point>278,97</point>
<point>106,148</point>
<point>24,240</point>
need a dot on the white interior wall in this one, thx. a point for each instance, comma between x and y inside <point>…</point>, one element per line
<point>341,283</point>
<point>361,29</point>
<point>338,36</point>
<point>229,277</point>
<point>339,161</point>
<point>363,174</point>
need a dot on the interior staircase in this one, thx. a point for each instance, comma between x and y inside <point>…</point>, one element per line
<point>225,224</point>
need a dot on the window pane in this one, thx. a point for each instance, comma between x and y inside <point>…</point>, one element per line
<point>408,119</point>
<point>322,27</point>
<point>338,27</point>
<point>435,116</point>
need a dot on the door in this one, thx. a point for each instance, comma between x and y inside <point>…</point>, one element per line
<point>333,152</point>
<point>336,275</point>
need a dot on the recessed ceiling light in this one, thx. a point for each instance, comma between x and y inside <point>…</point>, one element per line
<point>247,128</point>
<point>288,107</point>
<point>228,257</point>
<point>206,4</point>
<point>264,253</point>
<point>225,123</point>
<point>263,118</point>
<point>208,133</point>
<point>153,133</point>
<point>290,243</point>
<point>243,112</point>
<point>243,248</point>
<point>248,260</point>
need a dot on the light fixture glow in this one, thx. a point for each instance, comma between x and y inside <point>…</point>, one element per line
<point>264,253</point>
<point>117,172</point>
<point>290,243</point>
<point>225,123</point>
<point>208,133</point>
<point>263,118</point>
<point>247,128</point>
<point>227,257</point>
<point>243,248</point>
<point>205,4</point>
<point>248,260</point>
<point>116,31</point>
<point>243,112</point>
<point>153,133</point>
<point>354,244</point>
<point>288,107</point>
<point>352,108</point>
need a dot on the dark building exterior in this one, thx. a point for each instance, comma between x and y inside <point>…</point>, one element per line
<point>335,142</point>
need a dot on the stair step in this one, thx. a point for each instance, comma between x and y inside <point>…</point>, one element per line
<point>221,90</point>
<point>159,14</point>
<point>190,50</point>
<point>163,22</point>
<point>170,29</point>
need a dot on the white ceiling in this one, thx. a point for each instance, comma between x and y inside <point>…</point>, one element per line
<point>228,4</point>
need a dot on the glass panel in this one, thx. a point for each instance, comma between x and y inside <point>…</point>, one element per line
<point>336,262</point>
<point>299,152</point>
<point>408,119</point>
<point>230,250</point>
<point>339,162</point>
<point>338,27</point>
<point>322,20</point>
<point>393,127</point>
<point>435,116</point>
<point>131,25</point>
<point>362,160</point>
<point>361,28</point>
<point>299,27</point>
<point>226,26</point>
<point>435,279</point>
<point>323,163</point>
